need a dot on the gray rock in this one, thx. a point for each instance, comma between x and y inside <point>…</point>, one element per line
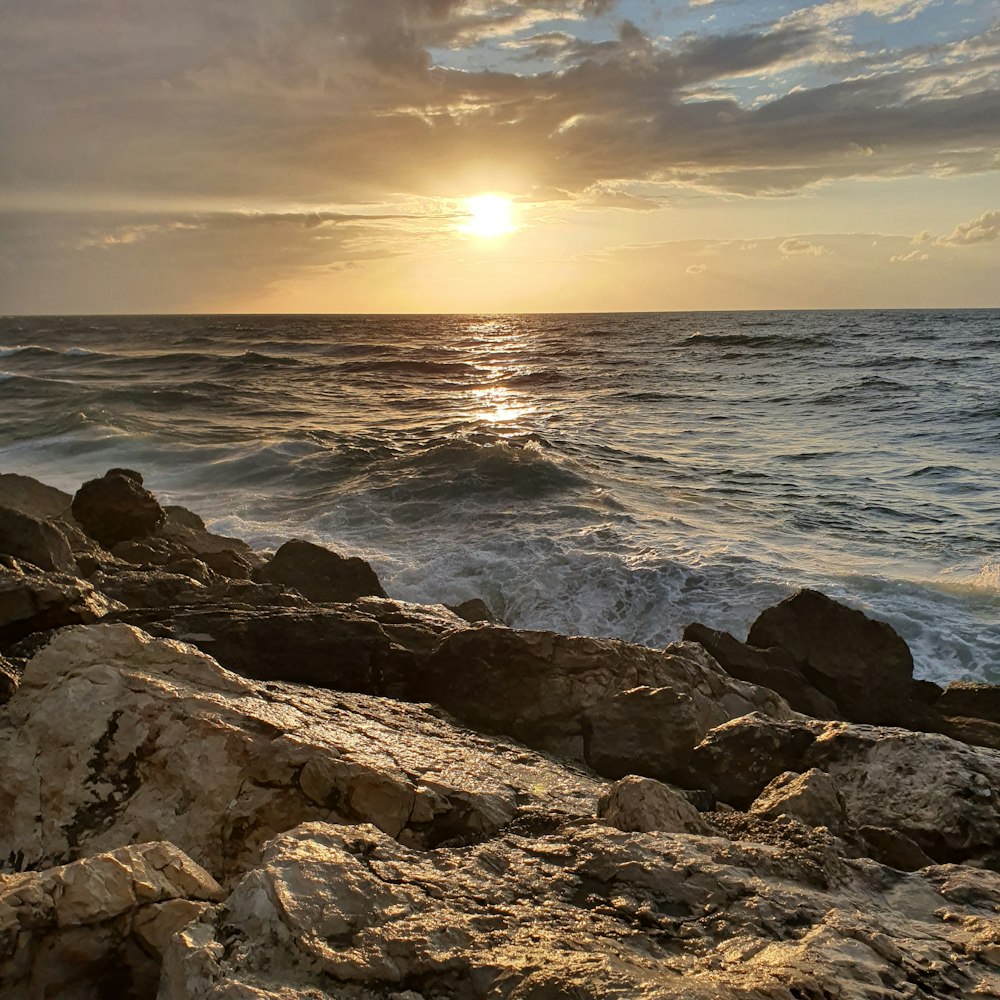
<point>116,508</point>
<point>320,574</point>
<point>38,542</point>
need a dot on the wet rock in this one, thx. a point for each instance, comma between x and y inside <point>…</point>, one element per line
<point>587,913</point>
<point>146,588</point>
<point>150,551</point>
<point>320,574</point>
<point>32,497</point>
<point>373,646</point>
<point>811,797</point>
<point>164,742</point>
<point>34,601</point>
<point>636,804</point>
<point>771,668</point>
<point>223,554</point>
<point>38,542</point>
<point>229,564</point>
<point>98,927</point>
<point>116,508</point>
<point>620,708</point>
<point>738,759</point>
<point>862,664</point>
<point>476,610</point>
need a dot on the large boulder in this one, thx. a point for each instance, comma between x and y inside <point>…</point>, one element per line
<point>373,646</point>
<point>116,508</point>
<point>618,707</point>
<point>320,574</point>
<point>230,557</point>
<point>115,738</point>
<point>38,542</point>
<point>98,927</point>
<point>587,913</point>
<point>811,797</point>
<point>34,601</point>
<point>862,664</point>
<point>640,805</point>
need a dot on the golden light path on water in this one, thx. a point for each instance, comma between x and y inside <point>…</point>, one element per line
<point>495,402</point>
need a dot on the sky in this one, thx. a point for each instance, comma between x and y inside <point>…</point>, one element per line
<point>319,155</point>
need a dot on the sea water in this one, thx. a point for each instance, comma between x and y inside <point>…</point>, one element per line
<point>612,475</point>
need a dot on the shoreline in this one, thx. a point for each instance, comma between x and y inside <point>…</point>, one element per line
<point>272,728</point>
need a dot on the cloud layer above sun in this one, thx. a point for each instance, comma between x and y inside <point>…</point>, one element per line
<point>297,151</point>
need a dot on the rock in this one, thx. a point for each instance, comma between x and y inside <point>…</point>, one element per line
<point>373,646</point>
<point>770,668</point>
<point>618,707</point>
<point>738,759</point>
<point>183,518</point>
<point>970,700</point>
<point>34,601</point>
<point>116,508</point>
<point>476,610</point>
<point>892,848</point>
<point>812,798</point>
<point>150,551</point>
<point>146,588</point>
<point>185,528</point>
<point>115,737</point>
<point>9,680</point>
<point>863,665</point>
<point>636,804</point>
<point>320,574</point>
<point>38,542</point>
<point>229,564</point>
<point>586,913</point>
<point>98,927</point>
<point>942,794</point>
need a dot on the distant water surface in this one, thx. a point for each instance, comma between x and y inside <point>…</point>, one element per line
<point>615,475</point>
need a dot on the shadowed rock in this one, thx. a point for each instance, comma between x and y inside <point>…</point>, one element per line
<point>116,508</point>
<point>320,574</point>
<point>38,542</point>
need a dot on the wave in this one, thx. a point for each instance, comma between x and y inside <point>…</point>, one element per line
<point>700,339</point>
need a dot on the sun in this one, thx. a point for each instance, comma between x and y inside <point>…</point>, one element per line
<point>490,215</point>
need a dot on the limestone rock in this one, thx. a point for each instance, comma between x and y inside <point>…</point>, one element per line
<point>38,542</point>
<point>811,797</point>
<point>116,508</point>
<point>320,574</point>
<point>618,707</point>
<point>98,927</point>
<point>115,737</point>
<point>35,601</point>
<point>770,668</point>
<point>588,913</point>
<point>372,646</point>
<point>862,664</point>
<point>636,804</point>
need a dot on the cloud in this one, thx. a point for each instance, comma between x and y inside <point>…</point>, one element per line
<point>697,268</point>
<point>913,257</point>
<point>793,247</point>
<point>985,229</point>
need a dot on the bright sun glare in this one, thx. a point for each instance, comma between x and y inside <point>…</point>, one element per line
<point>489,215</point>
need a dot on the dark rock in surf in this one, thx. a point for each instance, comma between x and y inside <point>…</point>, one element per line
<point>862,664</point>
<point>35,541</point>
<point>970,700</point>
<point>476,610</point>
<point>771,668</point>
<point>320,574</point>
<point>116,508</point>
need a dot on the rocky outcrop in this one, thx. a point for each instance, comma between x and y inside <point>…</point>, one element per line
<point>34,541</point>
<point>811,797</point>
<point>116,508</point>
<point>942,795</point>
<point>970,700</point>
<point>588,913</point>
<point>320,574</point>
<point>166,744</point>
<point>34,601</point>
<point>9,680</point>
<point>618,707</point>
<point>476,610</point>
<point>639,805</point>
<point>98,927</point>
<point>373,646</point>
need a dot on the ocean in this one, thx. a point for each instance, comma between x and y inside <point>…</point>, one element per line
<point>612,475</point>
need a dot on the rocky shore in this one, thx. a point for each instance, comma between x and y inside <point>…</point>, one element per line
<point>234,774</point>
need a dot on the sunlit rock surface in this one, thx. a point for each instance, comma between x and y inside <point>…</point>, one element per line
<point>115,737</point>
<point>589,912</point>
